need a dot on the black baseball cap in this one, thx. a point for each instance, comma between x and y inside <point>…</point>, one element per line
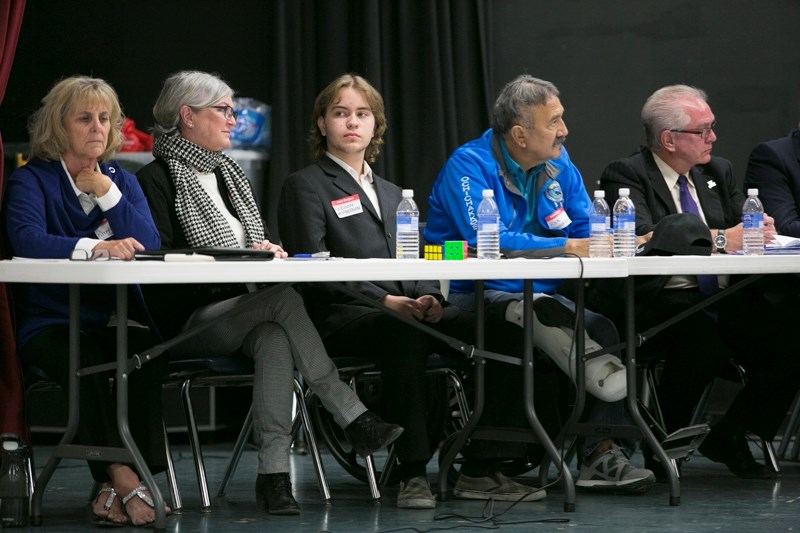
<point>678,234</point>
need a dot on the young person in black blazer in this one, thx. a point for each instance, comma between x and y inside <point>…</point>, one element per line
<point>338,204</point>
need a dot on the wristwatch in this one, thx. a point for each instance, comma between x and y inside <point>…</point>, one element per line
<point>720,241</point>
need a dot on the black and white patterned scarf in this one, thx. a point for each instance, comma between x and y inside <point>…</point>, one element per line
<point>202,222</point>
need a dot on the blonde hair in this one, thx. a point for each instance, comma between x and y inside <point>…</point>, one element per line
<point>329,96</point>
<point>48,134</point>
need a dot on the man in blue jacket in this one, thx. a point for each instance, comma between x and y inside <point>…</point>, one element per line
<point>544,211</point>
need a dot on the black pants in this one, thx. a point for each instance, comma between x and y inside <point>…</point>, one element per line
<point>750,331</point>
<point>402,351</point>
<point>49,352</point>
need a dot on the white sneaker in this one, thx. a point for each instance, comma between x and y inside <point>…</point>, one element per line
<point>613,472</point>
<point>497,487</point>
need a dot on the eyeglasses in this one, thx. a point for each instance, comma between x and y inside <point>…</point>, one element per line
<point>703,132</point>
<point>226,110</point>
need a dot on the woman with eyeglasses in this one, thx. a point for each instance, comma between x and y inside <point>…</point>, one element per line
<point>68,201</point>
<point>199,196</point>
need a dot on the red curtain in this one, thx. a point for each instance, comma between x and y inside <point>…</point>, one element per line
<point>12,394</point>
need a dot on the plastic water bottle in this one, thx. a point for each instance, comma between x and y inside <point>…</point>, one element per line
<point>752,224</point>
<point>488,227</point>
<point>600,220</point>
<point>14,482</point>
<point>407,227</point>
<point>624,225</point>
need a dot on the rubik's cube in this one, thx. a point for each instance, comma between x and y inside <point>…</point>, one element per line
<point>433,252</point>
<point>455,250</point>
<point>450,251</point>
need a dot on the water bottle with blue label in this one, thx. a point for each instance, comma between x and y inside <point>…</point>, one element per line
<point>624,225</point>
<point>407,227</point>
<point>488,227</point>
<point>752,224</point>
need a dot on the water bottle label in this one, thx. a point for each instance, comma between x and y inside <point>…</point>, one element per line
<point>753,221</point>
<point>599,223</point>
<point>407,223</point>
<point>625,221</point>
<point>488,223</point>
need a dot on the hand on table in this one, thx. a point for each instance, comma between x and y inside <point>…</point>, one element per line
<point>280,253</point>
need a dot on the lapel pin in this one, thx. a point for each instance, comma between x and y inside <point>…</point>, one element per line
<point>712,184</point>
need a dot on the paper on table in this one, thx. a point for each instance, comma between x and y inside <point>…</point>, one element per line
<point>784,241</point>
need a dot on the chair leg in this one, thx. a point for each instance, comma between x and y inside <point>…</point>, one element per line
<point>369,463</point>
<point>769,456</point>
<point>312,443</point>
<point>177,503</point>
<point>241,441</point>
<point>388,466</point>
<point>792,428</point>
<point>372,479</point>
<point>299,444</point>
<point>194,440</point>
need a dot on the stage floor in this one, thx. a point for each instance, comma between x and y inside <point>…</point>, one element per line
<point>711,499</point>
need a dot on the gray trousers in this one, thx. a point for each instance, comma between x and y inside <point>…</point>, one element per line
<point>279,336</point>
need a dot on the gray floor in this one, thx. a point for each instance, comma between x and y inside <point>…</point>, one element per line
<point>712,500</point>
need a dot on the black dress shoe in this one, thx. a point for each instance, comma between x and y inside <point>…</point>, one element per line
<point>274,493</point>
<point>729,446</point>
<point>368,433</point>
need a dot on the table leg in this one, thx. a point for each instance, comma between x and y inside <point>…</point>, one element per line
<point>530,411</point>
<point>122,408</point>
<point>73,416</point>
<point>631,400</point>
<point>477,410</point>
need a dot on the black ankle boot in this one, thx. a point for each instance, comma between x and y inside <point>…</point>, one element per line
<point>368,433</point>
<point>274,493</point>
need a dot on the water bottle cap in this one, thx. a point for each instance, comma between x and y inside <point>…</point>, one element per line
<point>624,191</point>
<point>488,193</point>
<point>599,194</point>
<point>752,192</point>
<point>408,193</point>
<point>10,445</point>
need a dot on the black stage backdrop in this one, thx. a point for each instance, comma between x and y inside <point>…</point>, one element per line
<point>438,64</point>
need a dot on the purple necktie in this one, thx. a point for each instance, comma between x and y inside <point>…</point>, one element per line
<point>707,284</point>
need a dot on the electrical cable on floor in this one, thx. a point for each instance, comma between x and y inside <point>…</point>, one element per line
<point>488,518</point>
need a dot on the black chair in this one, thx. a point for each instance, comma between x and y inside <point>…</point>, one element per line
<point>448,412</point>
<point>231,372</point>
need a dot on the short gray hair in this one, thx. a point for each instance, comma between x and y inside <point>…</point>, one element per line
<point>189,87</point>
<point>664,110</point>
<point>519,94</point>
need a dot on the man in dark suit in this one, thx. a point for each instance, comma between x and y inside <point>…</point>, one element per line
<point>774,169</point>
<point>338,204</point>
<point>677,173</point>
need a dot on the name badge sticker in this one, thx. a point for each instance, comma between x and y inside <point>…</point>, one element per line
<point>558,219</point>
<point>347,206</point>
<point>104,231</point>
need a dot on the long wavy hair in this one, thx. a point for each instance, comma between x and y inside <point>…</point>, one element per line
<point>330,96</point>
